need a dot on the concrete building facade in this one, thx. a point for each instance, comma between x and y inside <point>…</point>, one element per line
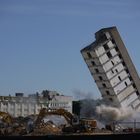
<point>112,69</point>
<point>23,106</point>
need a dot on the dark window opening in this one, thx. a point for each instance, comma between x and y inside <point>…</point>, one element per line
<point>109,54</point>
<point>100,77</point>
<point>137,93</point>
<point>120,56</point>
<point>107,92</point>
<point>127,71</point>
<point>112,71</point>
<point>130,78</point>
<point>119,78</point>
<point>104,85</point>
<point>89,55</point>
<point>106,47</point>
<point>97,71</point>
<point>134,85</point>
<point>123,63</point>
<point>103,37</point>
<point>116,70</point>
<point>112,62</point>
<point>126,84</point>
<point>93,63</point>
<point>116,48</point>
<point>113,41</point>
<point>111,99</point>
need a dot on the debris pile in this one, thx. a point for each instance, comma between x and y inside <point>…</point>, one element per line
<point>47,128</point>
<point>33,125</point>
<point>36,125</point>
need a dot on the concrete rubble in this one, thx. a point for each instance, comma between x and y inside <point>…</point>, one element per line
<point>40,125</point>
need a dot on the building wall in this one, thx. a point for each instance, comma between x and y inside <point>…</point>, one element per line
<point>125,56</point>
<point>25,106</point>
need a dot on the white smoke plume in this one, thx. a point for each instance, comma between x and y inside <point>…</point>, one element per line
<point>99,110</point>
<point>110,114</point>
<point>104,113</point>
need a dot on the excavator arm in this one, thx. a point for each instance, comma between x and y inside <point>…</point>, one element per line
<point>62,112</point>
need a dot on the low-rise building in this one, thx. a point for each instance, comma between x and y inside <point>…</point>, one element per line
<point>19,105</point>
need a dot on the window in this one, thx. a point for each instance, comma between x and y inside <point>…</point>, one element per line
<point>109,54</point>
<point>4,103</point>
<point>111,99</point>
<point>137,93</point>
<point>130,78</point>
<point>134,85</point>
<point>123,63</point>
<point>127,71</point>
<point>106,47</point>
<point>100,77</point>
<point>103,37</point>
<point>112,62</point>
<point>116,70</point>
<point>93,63</point>
<point>25,109</point>
<point>116,48</point>
<point>125,83</point>
<point>97,71</point>
<point>119,78</point>
<point>113,41</point>
<point>107,92</point>
<point>89,55</point>
<point>120,56</point>
<point>112,71</point>
<point>104,85</point>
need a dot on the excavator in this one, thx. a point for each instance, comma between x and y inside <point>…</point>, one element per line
<point>62,112</point>
<point>9,125</point>
<point>6,118</point>
<point>74,124</point>
<point>15,126</point>
<point>6,123</point>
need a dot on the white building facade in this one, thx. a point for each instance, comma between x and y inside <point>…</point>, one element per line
<point>24,106</point>
<point>112,69</point>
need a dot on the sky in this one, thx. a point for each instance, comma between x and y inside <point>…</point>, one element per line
<point>40,42</point>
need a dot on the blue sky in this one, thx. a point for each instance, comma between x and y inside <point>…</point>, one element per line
<point>40,42</point>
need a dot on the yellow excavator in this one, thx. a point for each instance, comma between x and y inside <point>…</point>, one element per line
<point>75,125</point>
<point>61,112</point>
<point>6,123</point>
<point>9,125</point>
<point>6,118</point>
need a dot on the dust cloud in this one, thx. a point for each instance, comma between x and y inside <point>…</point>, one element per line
<point>102,111</point>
